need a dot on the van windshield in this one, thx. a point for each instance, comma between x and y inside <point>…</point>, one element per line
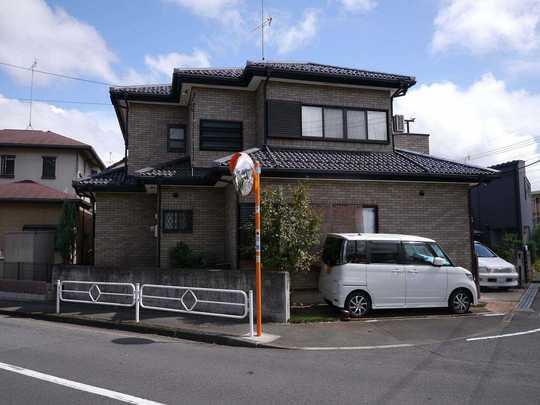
<point>482,251</point>
<point>333,251</point>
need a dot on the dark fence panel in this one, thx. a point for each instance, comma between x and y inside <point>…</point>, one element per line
<point>26,271</point>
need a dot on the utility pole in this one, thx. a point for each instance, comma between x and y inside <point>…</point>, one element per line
<point>31,94</point>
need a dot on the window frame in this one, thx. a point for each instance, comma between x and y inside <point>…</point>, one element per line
<point>406,258</point>
<point>8,175</point>
<point>345,137</point>
<point>178,229</point>
<point>376,208</point>
<point>43,159</point>
<point>176,150</point>
<point>230,149</point>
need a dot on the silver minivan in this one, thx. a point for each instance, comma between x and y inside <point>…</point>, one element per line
<point>365,271</point>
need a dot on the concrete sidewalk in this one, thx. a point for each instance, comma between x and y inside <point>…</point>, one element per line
<point>381,329</point>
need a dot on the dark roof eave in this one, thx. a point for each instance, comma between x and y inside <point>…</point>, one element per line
<point>108,187</point>
<point>328,174</point>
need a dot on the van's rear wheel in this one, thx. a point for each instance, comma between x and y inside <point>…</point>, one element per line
<point>460,301</point>
<point>358,304</point>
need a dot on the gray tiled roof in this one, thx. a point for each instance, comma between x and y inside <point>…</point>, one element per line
<point>223,73</point>
<point>108,177</point>
<point>174,168</point>
<point>241,76</point>
<point>317,68</point>
<point>150,89</point>
<point>396,164</point>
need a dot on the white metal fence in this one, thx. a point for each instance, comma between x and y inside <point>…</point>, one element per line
<point>224,303</point>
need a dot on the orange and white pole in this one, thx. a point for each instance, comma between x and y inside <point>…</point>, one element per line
<point>258,275</point>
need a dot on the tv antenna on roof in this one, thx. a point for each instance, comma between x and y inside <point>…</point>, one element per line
<point>31,93</point>
<point>265,21</point>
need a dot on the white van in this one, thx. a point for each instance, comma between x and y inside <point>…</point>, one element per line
<point>494,271</point>
<point>365,271</point>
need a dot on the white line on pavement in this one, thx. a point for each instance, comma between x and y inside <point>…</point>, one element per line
<point>78,386</point>
<point>526,332</point>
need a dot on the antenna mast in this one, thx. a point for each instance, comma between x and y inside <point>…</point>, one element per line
<point>264,22</point>
<point>31,94</point>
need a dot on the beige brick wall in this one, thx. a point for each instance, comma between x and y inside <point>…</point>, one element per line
<point>221,104</point>
<point>13,216</point>
<point>414,142</point>
<point>331,96</point>
<point>147,133</point>
<point>441,213</point>
<point>123,234</point>
<point>209,212</point>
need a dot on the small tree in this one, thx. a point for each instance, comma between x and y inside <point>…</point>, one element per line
<point>289,230</point>
<point>508,246</point>
<point>66,232</point>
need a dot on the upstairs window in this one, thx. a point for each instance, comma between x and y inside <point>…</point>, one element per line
<point>7,166</point>
<point>176,138</point>
<point>221,135</point>
<point>49,167</point>
<point>335,123</point>
<point>177,221</point>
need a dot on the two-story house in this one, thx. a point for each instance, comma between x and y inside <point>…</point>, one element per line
<point>37,169</point>
<point>328,127</point>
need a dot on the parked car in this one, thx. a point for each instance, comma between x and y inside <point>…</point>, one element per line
<point>362,272</point>
<point>493,270</point>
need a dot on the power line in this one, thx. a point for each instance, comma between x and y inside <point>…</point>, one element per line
<point>81,79</point>
<point>504,149</point>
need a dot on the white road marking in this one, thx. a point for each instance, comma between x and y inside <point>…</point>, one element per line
<point>357,347</point>
<point>78,386</point>
<point>526,332</point>
<point>495,314</point>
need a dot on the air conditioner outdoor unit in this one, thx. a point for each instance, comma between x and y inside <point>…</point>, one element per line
<point>399,125</point>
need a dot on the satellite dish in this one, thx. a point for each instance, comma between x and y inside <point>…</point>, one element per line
<point>242,169</point>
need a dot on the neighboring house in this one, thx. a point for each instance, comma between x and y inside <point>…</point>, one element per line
<point>535,197</point>
<point>504,205</point>
<point>37,169</point>
<point>325,126</point>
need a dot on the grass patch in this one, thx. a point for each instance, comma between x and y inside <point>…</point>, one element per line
<point>314,313</point>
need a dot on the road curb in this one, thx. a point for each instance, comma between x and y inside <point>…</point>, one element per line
<point>197,336</point>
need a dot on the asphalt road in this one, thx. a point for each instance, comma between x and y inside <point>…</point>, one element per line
<point>145,367</point>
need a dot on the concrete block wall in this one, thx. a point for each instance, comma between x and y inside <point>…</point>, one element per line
<point>441,213</point>
<point>148,126</point>
<point>275,286</point>
<point>331,96</point>
<point>209,213</point>
<point>123,230</point>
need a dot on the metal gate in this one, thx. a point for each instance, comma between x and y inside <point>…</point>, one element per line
<point>224,303</point>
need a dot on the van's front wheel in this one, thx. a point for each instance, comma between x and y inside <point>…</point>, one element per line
<point>460,301</point>
<point>358,304</point>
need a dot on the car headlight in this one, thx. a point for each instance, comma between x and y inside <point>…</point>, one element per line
<point>484,270</point>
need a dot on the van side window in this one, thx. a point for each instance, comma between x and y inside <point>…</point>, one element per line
<point>333,251</point>
<point>384,252</point>
<point>356,252</point>
<point>418,253</point>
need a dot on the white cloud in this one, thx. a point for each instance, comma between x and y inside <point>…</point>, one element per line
<point>299,35</point>
<point>60,42</point>
<point>97,128</point>
<point>473,120</point>
<point>487,25</point>
<point>358,5</point>
<point>166,63</point>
